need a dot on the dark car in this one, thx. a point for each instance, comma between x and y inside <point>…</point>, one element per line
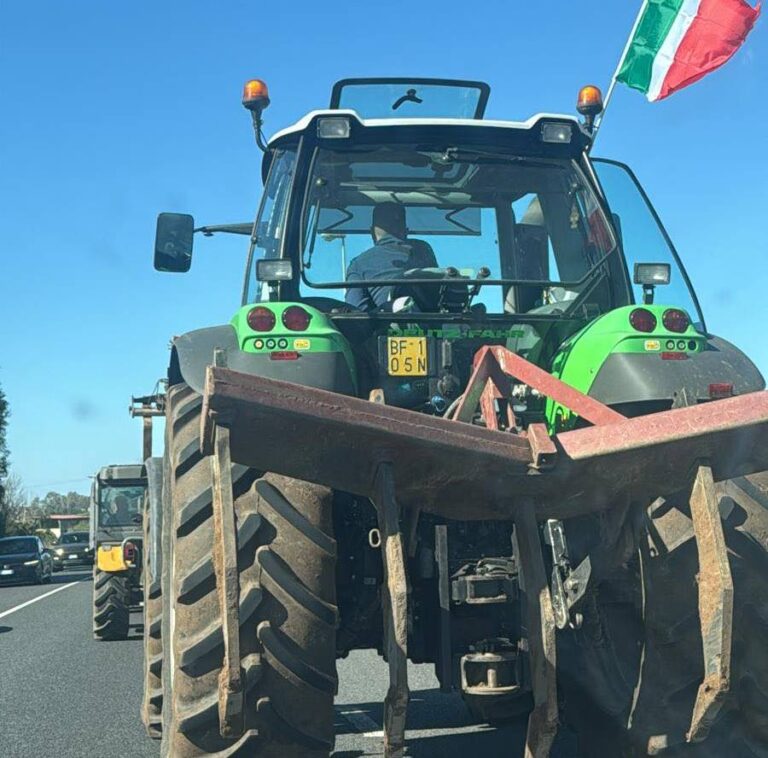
<point>24,559</point>
<point>72,549</point>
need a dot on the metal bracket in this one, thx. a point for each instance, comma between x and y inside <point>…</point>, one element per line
<point>230,694</point>
<point>395,608</point>
<point>568,585</point>
<point>146,408</point>
<point>485,583</point>
<point>715,604</point>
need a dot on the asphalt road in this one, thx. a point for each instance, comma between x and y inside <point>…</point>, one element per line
<point>62,693</point>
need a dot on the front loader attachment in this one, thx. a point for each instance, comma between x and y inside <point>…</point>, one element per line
<point>400,459</point>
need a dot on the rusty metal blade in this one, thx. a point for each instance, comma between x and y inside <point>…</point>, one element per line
<point>715,605</point>
<point>467,472</point>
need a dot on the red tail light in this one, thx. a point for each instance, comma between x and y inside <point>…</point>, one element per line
<point>296,318</point>
<point>720,390</point>
<point>129,552</point>
<point>642,320</point>
<point>261,319</point>
<point>284,355</point>
<point>675,320</point>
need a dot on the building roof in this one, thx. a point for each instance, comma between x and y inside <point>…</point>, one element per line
<point>68,516</point>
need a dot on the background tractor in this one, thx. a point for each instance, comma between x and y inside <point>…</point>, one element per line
<point>117,498</point>
<point>469,414</point>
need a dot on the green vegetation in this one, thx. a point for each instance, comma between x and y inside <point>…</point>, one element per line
<point>3,461</point>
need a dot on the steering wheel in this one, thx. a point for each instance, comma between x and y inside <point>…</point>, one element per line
<point>451,294</point>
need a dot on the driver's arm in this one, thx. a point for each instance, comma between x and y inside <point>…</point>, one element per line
<point>422,255</point>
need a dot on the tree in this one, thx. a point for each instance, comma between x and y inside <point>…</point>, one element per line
<point>13,511</point>
<point>56,502</point>
<point>4,412</point>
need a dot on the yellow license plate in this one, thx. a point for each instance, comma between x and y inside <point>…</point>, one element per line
<point>407,356</point>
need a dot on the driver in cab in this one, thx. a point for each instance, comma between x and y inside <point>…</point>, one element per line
<point>390,257</point>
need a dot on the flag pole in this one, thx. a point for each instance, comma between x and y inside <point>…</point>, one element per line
<point>613,83</point>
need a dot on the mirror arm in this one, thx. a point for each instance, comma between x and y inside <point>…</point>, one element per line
<point>257,124</point>
<point>648,294</point>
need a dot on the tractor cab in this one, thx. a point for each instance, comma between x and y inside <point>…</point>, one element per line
<point>400,231</point>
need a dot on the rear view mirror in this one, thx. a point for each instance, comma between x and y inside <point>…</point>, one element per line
<point>173,242</point>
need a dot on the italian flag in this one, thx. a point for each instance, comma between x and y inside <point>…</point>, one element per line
<point>677,42</point>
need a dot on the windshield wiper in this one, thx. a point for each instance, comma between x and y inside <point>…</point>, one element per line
<point>463,154</point>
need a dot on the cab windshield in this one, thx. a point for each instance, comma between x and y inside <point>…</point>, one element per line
<point>120,504</point>
<point>74,538</point>
<point>18,545</point>
<point>531,230</point>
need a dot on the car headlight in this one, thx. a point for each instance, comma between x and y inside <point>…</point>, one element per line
<point>59,551</point>
<point>32,563</point>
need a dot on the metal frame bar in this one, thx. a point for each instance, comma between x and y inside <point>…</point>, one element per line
<point>542,722</point>
<point>444,596</point>
<point>395,611</point>
<point>715,604</point>
<point>231,698</point>
<point>491,378</point>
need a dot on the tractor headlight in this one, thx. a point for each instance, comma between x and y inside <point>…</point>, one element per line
<point>556,132</point>
<point>336,127</point>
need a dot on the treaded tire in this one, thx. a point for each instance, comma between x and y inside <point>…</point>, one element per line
<point>673,637</point>
<point>111,605</point>
<point>672,668</point>
<point>152,701</point>
<point>286,556</point>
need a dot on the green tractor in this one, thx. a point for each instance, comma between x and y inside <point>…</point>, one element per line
<point>117,501</point>
<point>469,414</point>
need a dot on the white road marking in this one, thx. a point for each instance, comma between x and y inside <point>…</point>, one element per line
<point>363,723</point>
<point>35,599</point>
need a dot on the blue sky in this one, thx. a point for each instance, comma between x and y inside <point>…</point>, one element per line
<point>111,112</point>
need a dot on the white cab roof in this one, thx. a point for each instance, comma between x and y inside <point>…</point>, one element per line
<point>470,123</point>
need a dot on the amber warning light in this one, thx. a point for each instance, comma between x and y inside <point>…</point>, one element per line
<point>590,101</point>
<point>255,95</point>
<point>590,104</point>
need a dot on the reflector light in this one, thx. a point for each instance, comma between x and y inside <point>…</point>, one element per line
<point>590,101</point>
<point>284,355</point>
<point>296,318</point>
<point>720,390</point>
<point>675,320</point>
<point>255,95</point>
<point>642,320</point>
<point>261,319</point>
<point>674,357</point>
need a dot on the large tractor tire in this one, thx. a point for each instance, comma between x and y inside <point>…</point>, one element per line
<point>673,644</point>
<point>111,605</point>
<point>152,702</point>
<point>286,557</point>
<point>668,642</point>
